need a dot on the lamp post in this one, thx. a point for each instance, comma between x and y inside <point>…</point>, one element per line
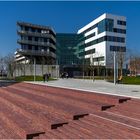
<point>92,66</point>
<point>34,69</point>
<point>83,68</point>
<point>115,72</point>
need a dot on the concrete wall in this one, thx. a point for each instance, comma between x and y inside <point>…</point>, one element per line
<point>28,69</point>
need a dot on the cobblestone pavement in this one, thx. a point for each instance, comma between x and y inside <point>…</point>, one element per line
<point>100,86</point>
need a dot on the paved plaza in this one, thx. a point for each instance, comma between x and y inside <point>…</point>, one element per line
<point>33,111</point>
<point>100,86</point>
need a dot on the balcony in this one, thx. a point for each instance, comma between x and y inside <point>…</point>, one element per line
<point>36,53</point>
<point>37,34</point>
<point>36,43</point>
<point>35,26</point>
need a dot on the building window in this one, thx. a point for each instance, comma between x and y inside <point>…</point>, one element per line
<point>81,54</point>
<point>90,51</point>
<point>120,22</point>
<point>101,26</point>
<point>105,25</point>
<point>109,23</point>
<point>89,29</point>
<point>118,48</point>
<point>106,38</point>
<point>30,38</point>
<point>89,36</point>
<point>26,28</point>
<point>97,59</point>
<point>122,31</point>
<point>33,30</point>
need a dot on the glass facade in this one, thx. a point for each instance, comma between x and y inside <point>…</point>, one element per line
<point>105,25</point>
<point>80,51</point>
<point>66,44</point>
<point>105,38</point>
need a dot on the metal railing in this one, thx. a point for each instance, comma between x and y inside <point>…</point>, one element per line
<point>37,34</point>
<point>36,52</point>
<point>22,41</point>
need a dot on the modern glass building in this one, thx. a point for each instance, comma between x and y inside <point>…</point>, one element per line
<point>101,38</point>
<point>66,44</point>
<point>93,45</point>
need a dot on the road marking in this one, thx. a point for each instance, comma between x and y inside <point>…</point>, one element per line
<point>116,122</point>
<point>122,116</point>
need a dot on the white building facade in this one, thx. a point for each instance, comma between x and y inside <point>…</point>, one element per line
<point>102,37</point>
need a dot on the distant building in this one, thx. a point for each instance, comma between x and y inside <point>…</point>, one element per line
<point>93,45</point>
<point>37,42</point>
<point>37,52</point>
<point>101,38</point>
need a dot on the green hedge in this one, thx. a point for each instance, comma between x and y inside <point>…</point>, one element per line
<point>31,78</point>
<point>131,80</point>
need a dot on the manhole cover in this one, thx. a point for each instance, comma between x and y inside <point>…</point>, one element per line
<point>135,91</point>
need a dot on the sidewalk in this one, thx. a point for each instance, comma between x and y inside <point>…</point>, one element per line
<point>100,86</point>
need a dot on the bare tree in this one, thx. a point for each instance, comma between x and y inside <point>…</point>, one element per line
<point>120,61</point>
<point>134,65</point>
<point>9,62</point>
<point>133,61</point>
<point>1,65</point>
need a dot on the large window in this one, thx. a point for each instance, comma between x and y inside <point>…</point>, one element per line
<point>105,25</point>
<point>101,26</point>
<point>109,23</point>
<point>106,38</point>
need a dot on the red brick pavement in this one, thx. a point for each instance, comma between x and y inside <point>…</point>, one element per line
<point>36,111</point>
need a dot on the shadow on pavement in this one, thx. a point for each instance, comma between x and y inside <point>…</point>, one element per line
<point>5,83</point>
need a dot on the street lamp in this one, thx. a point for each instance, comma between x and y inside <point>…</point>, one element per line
<point>34,69</point>
<point>92,65</point>
<point>114,67</point>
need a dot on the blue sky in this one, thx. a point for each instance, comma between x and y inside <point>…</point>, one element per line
<point>64,17</point>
